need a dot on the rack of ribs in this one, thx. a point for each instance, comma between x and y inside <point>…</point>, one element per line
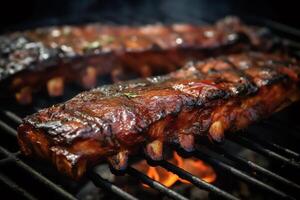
<point>48,58</point>
<point>205,98</point>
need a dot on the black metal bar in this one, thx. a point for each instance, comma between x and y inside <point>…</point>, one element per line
<point>8,129</point>
<point>276,147</point>
<point>12,116</point>
<point>38,176</point>
<point>266,152</point>
<point>285,150</point>
<point>251,165</point>
<point>239,174</point>
<point>282,27</point>
<point>11,184</point>
<point>5,160</point>
<point>103,183</point>
<point>154,184</point>
<point>195,180</point>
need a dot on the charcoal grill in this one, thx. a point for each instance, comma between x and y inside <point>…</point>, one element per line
<point>30,179</point>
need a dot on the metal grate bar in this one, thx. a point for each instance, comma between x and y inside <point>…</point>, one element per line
<point>103,183</point>
<point>266,152</point>
<point>239,174</point>
<point>285,150</point>
<point>276,147</point>
<point>281,27</point>
<point>38,176</point>
<point>8,129</point>
<point>11,184</point>
<point>9,159</point>
<point>13,116</point>
<point>195,180</point>
<point>154,184</point>
<point>251,165</point>
<point>5,160</point>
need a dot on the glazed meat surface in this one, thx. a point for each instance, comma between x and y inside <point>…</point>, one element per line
<point>206,98</point>
<point>49,57</point>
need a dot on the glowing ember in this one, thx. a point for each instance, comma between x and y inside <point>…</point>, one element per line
<point>196,167</point>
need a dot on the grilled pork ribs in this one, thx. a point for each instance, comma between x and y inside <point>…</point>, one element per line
<point>48,58</point>
<point>204,98</point>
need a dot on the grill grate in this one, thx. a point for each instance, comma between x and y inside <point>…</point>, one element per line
<point>205,153</point>
<point>218,156</point>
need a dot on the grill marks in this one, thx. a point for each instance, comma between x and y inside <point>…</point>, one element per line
<point>204,98</point>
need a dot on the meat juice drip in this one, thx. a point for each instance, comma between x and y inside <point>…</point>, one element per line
<point>196,167</point>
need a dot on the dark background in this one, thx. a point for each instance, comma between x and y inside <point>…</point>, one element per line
<point>20,14</point>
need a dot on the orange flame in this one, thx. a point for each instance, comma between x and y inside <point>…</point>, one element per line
<point>196,167</point>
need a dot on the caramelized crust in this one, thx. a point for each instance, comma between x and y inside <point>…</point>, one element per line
<point>204,98</point>
<point>40,58</point>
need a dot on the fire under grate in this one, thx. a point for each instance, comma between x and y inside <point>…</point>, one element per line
<point>268,182</point>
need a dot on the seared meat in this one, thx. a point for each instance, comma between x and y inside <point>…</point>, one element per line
<point>204,98</point>
<point>50,57</point>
